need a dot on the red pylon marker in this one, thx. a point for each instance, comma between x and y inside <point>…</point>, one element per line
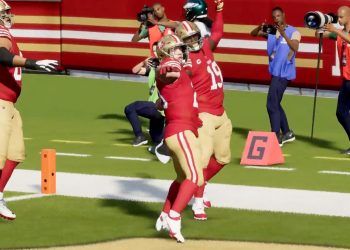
<point>48,171</point>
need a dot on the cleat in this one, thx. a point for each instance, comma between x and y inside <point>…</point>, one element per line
<point>6,213</point>
<point>174,225</point>
<point>346,152</point>
<point>162,152</point>
<point>139,140</point>
<point>161,223</point>
<point>198,211</point>
<point>206,201</point>
<point>288,137</point>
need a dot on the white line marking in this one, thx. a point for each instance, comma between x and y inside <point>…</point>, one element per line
<point>72,154</point>
<point>270,168</point>
<point>287,155</point>
<point>25,197</point>
<point>127,158</point>
<point>333,172</point>
<point>73,142</point>
<point>222,195</point>
<point>332,158</point>
<point>128,145</point>
<point>27,138</point>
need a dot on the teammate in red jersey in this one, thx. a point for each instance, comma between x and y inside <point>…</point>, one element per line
<point>181,114</point>
<point>11,134</point>
<point>215,134</point>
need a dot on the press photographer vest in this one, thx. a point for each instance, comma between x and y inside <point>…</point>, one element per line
<point>155,34</point>
<point>344,57</point>
<point>278,50</point>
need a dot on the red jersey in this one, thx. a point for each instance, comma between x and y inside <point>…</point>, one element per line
<point>207,80</point>
<point>10,77</point>
<point>179,101</point>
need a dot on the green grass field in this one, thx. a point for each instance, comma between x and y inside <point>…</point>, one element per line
<point>92,110</point>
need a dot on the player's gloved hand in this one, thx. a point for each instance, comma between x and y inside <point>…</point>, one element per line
<point>165,69</point>
<point>47,65</point>
<point>219,5</point>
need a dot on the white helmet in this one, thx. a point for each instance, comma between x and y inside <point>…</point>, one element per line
<point>5,14</point>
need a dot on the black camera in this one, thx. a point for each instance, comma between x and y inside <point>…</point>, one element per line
<point>269,29</point>
<point>316,19</point>
<point>142,16</point>
<point>153,62</point>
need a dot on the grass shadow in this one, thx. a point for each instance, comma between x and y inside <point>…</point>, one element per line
<point>321,143</point>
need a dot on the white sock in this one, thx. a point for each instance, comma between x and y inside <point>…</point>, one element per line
<point>198,200</point>
<point>174,214</point>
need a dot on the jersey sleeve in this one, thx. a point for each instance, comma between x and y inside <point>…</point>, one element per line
<point>173,64</point>
<point>4,33</point>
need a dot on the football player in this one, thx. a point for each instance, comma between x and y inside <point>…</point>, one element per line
<point>215,134</point>
<point>11,134</point>
<point>181,113</point>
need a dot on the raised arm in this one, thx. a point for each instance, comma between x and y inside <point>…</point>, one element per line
<point>217,30</point>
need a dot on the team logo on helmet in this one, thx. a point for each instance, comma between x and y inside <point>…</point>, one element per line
<point>190,35</point>
<point>5,14</point>
<point>167,44</point>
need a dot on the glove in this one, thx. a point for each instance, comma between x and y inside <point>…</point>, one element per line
<point>219,5</point>
<point>165,69</point>
<point>153,62</point>
<point>47,65</point>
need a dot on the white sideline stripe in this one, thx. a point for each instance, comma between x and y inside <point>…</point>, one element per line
<point>124,37</point>
<point>270,168</point>
<point>72,154</point>
<point>221,195</point>
<point>332,158</point>
<point>24,197</point>
<point>128,145</point>
<point>73,142</point>
<point>127,158</point>
<point>333,172</point>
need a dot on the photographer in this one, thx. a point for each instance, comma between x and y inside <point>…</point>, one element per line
<point>343,40</point>
<point>146,109</point>
<point>282,44</point>
<point>154,32</point>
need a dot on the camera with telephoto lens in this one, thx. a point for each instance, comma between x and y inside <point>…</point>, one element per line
<point>316,19</point>
<point>269,29</point>
<point>142,16</point>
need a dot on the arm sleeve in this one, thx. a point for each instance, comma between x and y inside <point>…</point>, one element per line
<point>217,31</point>
<point>143,33</point>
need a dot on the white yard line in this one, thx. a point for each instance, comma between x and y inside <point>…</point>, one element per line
<point>270,168</point>
<point>332,158</point>
<point>129,145</point>
<point>154,190</point>
<point>72,142</point>
<point>333,172</point>
<point>24,197</point>
<point>127,158</point>
<point>72,154</point>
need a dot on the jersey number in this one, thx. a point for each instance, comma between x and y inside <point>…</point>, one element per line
<point>216,76</point>
<point>17,74</point>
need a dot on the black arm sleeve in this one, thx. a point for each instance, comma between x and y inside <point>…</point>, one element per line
<point>6,57</point>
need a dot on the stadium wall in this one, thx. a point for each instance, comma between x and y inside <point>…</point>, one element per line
<point>95,35</point>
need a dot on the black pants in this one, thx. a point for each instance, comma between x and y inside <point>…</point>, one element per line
<point>278,118</point>
<point>343,107</point>
<point>147,110</point>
